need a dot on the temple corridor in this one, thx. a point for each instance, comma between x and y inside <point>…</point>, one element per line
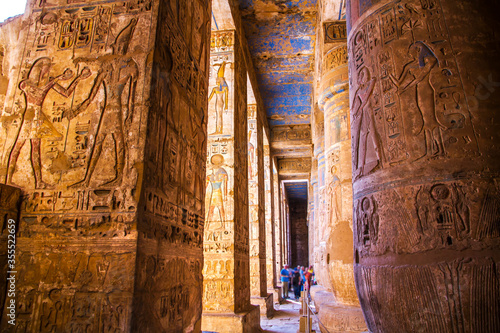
<point>161,161</point>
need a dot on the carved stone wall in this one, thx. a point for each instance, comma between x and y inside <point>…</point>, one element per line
<point>426,164</point>
<point>103,217</point>
<point>299,233</point>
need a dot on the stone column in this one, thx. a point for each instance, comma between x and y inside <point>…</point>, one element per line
<point>256,193</point>
<point>313,230</point>
<point>424,119</point>
<point>271,238</point>
<point>103,128</point>
<point>226,272</point>
<point>334,101</point>
<point>338,305</point>
<point>319,202</point>
<point>277,226</point>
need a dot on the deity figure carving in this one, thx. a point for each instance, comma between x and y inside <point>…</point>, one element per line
<point>416,74</point>
<point>221,92</point>
<point>333,192</point>
<point>35,124</point>
<point>367,221</point>
<point>114,74</point>
<point>217,180</point>
<point>364,123</point>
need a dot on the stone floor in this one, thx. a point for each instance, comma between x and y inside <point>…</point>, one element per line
<point>286,318</point>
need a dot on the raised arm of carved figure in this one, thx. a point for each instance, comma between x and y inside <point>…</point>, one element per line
<point>66,92</point>
<point>70,114</point>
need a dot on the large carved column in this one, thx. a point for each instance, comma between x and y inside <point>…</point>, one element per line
<point>319,193</point>
<point>424,118</point>
<point>334,101</point>
<point>256,206</point>
<point>103,128</point>
<point>226,272</point>
<point>339,308</point>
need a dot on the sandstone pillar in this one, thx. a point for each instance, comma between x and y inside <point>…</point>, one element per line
<point>319,194</point>
<point>256,206</point>
<point>337,234</point>
<point>271,238</point>
<point>226,282</point>
<point>103,127</point>
<point>338,304</point>
<point>278,264</point>
<point>424,119</point>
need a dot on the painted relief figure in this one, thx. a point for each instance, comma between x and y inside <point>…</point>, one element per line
<point>221,92</point>
<point>333,191</point>
<point>364,123</point>
<point>114,74</point>
<point>416,74</point>
<point>35,125</point>
<point>217,180</point>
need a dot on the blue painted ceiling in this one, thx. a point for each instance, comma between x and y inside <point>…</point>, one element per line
<point>296,190</point>
<point>281,38</point>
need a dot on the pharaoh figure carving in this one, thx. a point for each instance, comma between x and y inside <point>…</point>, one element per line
<point>221,92</point>
<point>217,180</point>
<point>35,124</point>
<point>116,72</point>
<point>364,124</point>
<point>333,192</point>
<point>416,74</point>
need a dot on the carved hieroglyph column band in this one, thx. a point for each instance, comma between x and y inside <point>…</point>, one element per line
<point>337,234</point>
<point>424,121</point>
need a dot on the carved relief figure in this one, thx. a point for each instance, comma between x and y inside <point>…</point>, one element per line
<point>416,74</point>
<point>221,92</point>
<point>217,180</point>
<point>367,221</point>
<point>35,124</point>
<point>364,123</point>
<point>333,192</point>
<point>445,209</point>
<point>115,73</point>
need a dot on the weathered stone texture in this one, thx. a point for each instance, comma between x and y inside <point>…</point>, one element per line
<point>425,164</point>
<point>92,131</point>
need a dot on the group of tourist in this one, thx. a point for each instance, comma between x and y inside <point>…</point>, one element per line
<point>299,278</point>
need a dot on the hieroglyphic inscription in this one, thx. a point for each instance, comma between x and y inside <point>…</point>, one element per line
<point>412,110</point>
<point>335,31</point>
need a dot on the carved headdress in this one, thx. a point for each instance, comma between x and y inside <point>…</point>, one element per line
<point>222,69</point>
<point>120,46</point>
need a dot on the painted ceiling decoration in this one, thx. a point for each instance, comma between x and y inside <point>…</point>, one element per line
<point>296,190</point>
<point>281,38</point>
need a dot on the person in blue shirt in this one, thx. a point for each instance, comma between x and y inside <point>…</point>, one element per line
<point>285,280</point>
